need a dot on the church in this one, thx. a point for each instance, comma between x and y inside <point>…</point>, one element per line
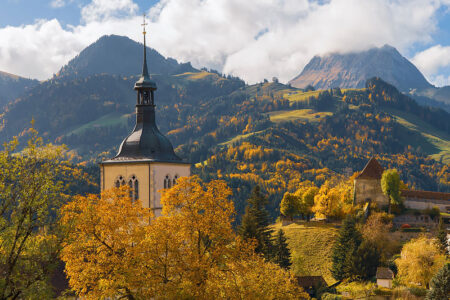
<point>146,161</point>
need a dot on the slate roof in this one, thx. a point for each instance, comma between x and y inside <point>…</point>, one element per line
<point>372,170</point>
<point>384,273</point>
<point>310,281</point>
<point>425,195</point>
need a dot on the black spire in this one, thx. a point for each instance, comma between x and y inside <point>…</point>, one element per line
<point>146,142</point>
<point>144,82</point>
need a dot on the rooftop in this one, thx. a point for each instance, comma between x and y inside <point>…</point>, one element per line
<point>372,170</point>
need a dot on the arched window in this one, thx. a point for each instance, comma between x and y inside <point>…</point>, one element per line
<point>134,188</point>
<point>167,182</point>
<point>175,178</point>
<point>119,181</point>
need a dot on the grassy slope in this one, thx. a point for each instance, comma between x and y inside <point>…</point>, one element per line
<point>308,115</point>
<point>313,242</point>
<point>112,119</point>
<point>439,139</point>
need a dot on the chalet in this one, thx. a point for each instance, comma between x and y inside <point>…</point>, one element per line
<point>384,277</point>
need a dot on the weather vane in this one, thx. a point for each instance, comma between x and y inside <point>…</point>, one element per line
<point>143,25</point>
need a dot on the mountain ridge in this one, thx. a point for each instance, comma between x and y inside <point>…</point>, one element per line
<point>351,70</point>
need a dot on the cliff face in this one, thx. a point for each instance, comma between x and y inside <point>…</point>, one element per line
<point>353,69</point>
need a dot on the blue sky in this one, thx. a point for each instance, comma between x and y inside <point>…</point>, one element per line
<point>252,39</point>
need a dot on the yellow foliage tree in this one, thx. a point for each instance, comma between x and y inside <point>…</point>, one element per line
<point>420,259</point>
<point>333,200</point>
<point>191,251</point>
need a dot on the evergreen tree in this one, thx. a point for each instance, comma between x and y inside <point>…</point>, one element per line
<point>281,253</point>
<point>345,248</point>
<point>365,261</point>
<point>440,284</point>
<point>255,223</point>
<point>442,237</point>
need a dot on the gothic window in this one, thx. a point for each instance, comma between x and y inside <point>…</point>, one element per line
<point>119,181</point>
<point>134,188</point>
<point>167,182</point>
<point>175,179</point>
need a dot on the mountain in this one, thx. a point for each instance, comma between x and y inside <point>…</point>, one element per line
<point>12,86</point>
<point>353,69</point>
<point>119,55</point>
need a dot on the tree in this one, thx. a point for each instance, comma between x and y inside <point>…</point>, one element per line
<point>440,284</point>
<point>376,230</point>
<point>442,237</point>
<point>333,200</point>
<point>390,184</point>
<point>344,249</point>
<point>255,223</point>
<point>307,200</point>
<point>100,252</point>
<point>31,191</point>
<point>365,261</point>
<point>420,259</point>
<point>281,253</point>
<point>289,205</point>
<point>190,252</point>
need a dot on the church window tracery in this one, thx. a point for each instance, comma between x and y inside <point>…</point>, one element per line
<point>167,182</point>
<point>175,178</point>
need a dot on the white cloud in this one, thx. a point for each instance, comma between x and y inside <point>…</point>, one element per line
<point>253,39</point>
<point>100,10</point>
<point>57,3</point>
<point>433,60</point>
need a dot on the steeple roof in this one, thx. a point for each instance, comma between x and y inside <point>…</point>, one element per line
<point>372,170</point>
<point>145,142</point>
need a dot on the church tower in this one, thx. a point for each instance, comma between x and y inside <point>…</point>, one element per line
<point>146,160</point>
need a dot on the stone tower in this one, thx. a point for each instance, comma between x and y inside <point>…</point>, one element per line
<point>146,160</point>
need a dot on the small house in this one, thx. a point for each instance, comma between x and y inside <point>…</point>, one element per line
<point>311,284</point>
<point>384,277</point>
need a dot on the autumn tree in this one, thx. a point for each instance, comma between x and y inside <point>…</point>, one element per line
<point>440,284</point>
<point>190,252</point>
<point>333,200</point>
<point>31,191</point>
<point>390,184</point>
<point>281,252</point>
<point>289,205</point>
<point>102,250</point>
<point>376,230</point>
<point>307,201</point>
<point>255,223</point>
<point>420,259</point>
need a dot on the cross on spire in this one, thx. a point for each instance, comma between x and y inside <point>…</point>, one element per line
<point>143,25</point>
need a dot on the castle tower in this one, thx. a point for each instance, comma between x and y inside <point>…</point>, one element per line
<point>146,160</point>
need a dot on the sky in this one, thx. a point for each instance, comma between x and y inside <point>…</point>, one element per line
<point>252,39</point>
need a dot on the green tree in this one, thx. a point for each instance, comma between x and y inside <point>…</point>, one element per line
<point>289,205</point>
<point>365,261</point>
<point>307,201</point>
<point>390,184</point>
<point>31,192</point>
<point>255,223</point>
<point>281,253</point>
<point>442,237</point>
<point>440,284</point>
<point>344,249</point>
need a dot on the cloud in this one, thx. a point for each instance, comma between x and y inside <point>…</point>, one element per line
<point>101,10</point>
<point>57,3</point>
<point>433,60</point>
<point>253,39</point>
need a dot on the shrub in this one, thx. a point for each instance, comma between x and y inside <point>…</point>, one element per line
<point>328,296</point>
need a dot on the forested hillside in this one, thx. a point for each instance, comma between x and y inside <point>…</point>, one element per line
<point>268,134</point>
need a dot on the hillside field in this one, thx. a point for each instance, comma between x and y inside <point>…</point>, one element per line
<point>313,242</point>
